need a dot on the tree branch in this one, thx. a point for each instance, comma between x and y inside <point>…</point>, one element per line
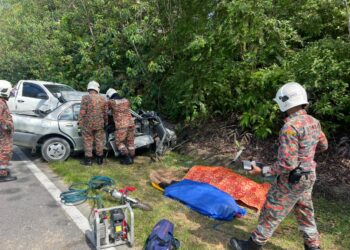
<point>89,22</point>
<point>347,15</point>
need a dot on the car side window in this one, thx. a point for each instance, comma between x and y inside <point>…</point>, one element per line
<point>76,111</point>
<point>67,115</point>
<point>33,91</point>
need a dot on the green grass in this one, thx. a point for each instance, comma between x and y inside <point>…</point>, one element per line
<point>194,230</point>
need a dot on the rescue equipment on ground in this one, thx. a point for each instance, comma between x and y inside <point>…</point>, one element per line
<point>122,195</point>
<point>162,237</point>
<point>156,186</point>
<point>118,224</point>
<point>111,226</point>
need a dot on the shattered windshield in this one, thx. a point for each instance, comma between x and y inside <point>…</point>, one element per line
<point>57,88</point>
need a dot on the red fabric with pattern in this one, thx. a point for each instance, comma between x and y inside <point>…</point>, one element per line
<point>242,189</point>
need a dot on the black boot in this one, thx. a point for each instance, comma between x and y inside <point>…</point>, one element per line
<point>311,248</point>
<point>5,175</point>
<point>130,159</point>
<point>99,160</point>
<point>87,161</point>
<point>127,160</point>
<point>243,244</point>
<point>122,159</point>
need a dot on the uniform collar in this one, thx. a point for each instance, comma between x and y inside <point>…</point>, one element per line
<point>291,116</point>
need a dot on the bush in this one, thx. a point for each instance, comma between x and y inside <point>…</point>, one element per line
<point>324,68</point>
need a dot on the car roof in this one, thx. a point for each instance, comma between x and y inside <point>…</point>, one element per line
<point>57,111</point>
<point>43,82</point>
<point>73,95</point>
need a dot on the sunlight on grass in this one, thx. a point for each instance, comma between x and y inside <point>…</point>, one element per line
<point>192,229</point>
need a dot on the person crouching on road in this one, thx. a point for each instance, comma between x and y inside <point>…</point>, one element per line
<point>92,120</point>
<point>6,132</point>
<point>124,125</point>
<point>299,139</point>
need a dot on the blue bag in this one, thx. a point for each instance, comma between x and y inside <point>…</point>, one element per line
<point>205,199</point>
<point>162,237</point>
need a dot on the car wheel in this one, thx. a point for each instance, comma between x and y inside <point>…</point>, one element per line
<point>55,149</point>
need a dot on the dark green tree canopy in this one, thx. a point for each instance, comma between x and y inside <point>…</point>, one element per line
<point>189,60</point>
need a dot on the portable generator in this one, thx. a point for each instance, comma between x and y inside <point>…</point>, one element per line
<point>113,226</point>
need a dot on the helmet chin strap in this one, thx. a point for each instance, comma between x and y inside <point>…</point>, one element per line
<point>283,115</point>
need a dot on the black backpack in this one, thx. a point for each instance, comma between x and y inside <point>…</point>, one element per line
<point>162,237</point>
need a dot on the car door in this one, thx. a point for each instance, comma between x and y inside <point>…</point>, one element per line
<point>32,97</point>
<point>68,124</point>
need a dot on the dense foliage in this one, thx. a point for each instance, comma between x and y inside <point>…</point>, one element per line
<point>188,59</point>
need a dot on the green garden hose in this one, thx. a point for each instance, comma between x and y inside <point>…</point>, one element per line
<point>78,192</point>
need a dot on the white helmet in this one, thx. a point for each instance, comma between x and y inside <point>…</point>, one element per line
<point>93,85</point>
<point>5,89</point>
<point>290,95</point>
<point>110,92</point>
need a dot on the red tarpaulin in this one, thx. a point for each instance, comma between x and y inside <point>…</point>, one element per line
<point>241,188</point>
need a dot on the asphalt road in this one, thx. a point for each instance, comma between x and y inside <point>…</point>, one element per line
<point>30,218</point>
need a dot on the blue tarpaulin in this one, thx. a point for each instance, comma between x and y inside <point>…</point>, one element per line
<point>205,199</point>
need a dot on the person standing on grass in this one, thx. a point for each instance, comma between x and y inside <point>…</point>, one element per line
<point>92,120</point>
<point>124,125</point>
<point>299,139</point>
<point>6,132</point>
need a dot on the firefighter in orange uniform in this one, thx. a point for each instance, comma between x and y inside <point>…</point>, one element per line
<point>295,168</point>
<point>6,132</point>
<point>124,125</point>
<point>92,120</point>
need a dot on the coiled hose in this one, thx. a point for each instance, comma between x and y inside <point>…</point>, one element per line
<point>78,192</point>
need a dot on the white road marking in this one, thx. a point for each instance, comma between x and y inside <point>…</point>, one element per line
<point>78,218</point>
